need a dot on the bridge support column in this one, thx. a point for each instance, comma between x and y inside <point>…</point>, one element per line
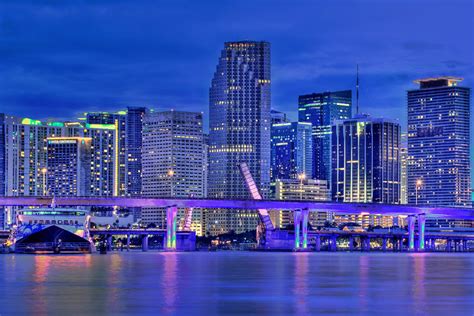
<point>384,244</point>
<point>297,217</point>
<point>411,232</point>
<point>128,242</point>
<point>464,245</point>
<point>305,215</point>
<point>400,244</point>
<point>171,219</point>
<point>448,245</point>
<point>421,232</point>
<point>109,242</point>
<point>367,244</point>
<point>145,243</point>
<point>334,243</point>
<point>318,243</point>
<point>351,243</point>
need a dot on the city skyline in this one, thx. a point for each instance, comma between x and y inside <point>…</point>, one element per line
<point>134,71</point>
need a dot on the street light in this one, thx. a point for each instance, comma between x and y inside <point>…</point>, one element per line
<point>44,171</point>
<point>171,174</point>
<point>301,177</point>
<point>419,182</point>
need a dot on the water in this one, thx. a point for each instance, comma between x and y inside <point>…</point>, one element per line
<point>237,283</point>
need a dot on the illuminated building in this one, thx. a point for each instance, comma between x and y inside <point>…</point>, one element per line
<point>239,129</point>
<point>292,150</point>
<point>117,155</point>
<point>278,117</point>
<point>173,162</point>
<point>404,170</point>
<point>366,160</point>
<point>68,166</point>
<point>438,143</point>
<point>438,146</point>
<point>321,109</point>
<point>300,189</point>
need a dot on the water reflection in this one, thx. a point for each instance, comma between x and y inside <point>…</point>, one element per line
<point>419,281</point>
<point>364,271</point>
<point>301,281</point>
<point>170,277</point>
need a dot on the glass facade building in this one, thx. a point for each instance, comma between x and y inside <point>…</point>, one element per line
<point>366,164</point>
<point>438,143</point>
<point>292,150</point>
<point>321,110</point>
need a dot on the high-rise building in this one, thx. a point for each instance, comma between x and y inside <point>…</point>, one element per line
<point>116,123</point>
<point>68,166</point>
<point>133,150</point>
<point>404,169</point>
<point>321,110</point>
<point>292,150</point>
<point>239,129</point>
<point>366,160</point>
<point>172,162</point>
<point>438,143</point>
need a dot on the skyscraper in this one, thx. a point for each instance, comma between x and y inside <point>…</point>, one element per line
<point>321,109</point>
<point>172,161</point>
<point>366,160</point>
<point>133,150</point>
<point>292,150</point>
<point>239,128</point>
<point>438,143</point>
<point>68,166</point>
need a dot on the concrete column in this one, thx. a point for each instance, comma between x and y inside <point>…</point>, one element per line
<point>464,242</point>
<point>384,244</point>
<point>400,244</point>
<point>145,243</point>
<point>171,219</point>
<point>297,222</point>
<point>305,216</point>
<point>351,243</point>
<point>109,242</point>
<point>128,242</point>
<point>318,243</point>
<point>421,232</point>
<point>334,243</point>
<point>448,245</point>
<point>367,241</point>
<point>411,232</point>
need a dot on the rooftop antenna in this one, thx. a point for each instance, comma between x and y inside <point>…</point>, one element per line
<point>357,91</point>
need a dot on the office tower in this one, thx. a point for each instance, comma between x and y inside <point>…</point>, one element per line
<point>366,160</point>
<point>133,149</point>
<point>115,122</point>
<point>438,143</point>
<point>404,169</point>
<point>292,150</point>
<point>2,168</point>
<point>300,189</point>
<point>321,110</point>
<point>278,117</point>
<point>172,162</point>
<point>239,128</point>
<point>133,153</point>
<point>68,166</point>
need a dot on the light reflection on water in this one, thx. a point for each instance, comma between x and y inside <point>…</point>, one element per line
<point>237,283</point>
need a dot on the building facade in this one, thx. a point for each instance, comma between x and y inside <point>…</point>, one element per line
<point>239,129</point>
<point>366,161</point>
<point>292,150</point>
<point>300,189</point>
<point>133,150</point>
<point>438,143</point>
<point>68,166</point>
<point>173,162</point>
<point>321,110</point>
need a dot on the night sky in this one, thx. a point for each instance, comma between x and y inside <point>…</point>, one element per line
<point>58,60</point>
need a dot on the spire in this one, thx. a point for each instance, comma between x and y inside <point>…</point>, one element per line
<point>357,91</point>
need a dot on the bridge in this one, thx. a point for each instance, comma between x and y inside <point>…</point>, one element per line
<point>415,214</point>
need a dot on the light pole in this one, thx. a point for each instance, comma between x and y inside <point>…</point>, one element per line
<point>419,182</point>
<point>171,174</point>
<point>44,171</point>
<point>301,177</point>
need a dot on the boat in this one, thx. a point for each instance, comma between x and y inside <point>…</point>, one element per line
<point>51,230</point>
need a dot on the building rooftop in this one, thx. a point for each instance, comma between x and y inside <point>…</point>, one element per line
<point>442,81</point>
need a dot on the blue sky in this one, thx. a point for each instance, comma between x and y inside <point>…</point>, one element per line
<point>61,58</point>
